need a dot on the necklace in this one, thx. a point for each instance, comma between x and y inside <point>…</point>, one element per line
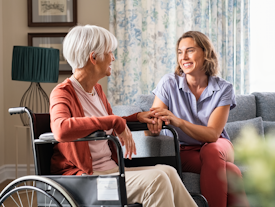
<point>93,90</point>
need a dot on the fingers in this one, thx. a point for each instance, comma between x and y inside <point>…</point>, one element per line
<point>151,126</point>
<point>130,150</point>
<point>165,119</point>
<point>157,112</point>
<point>149,121</point>
<point>155,128</point>
<point>164,114</point>
<point>126,138</point>
<point>130,145</point>
<point>145,117</point>
<point>159,125</point>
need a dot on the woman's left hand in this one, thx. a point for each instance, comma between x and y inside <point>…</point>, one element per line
<point>165,115</point>
<point>127,140</point>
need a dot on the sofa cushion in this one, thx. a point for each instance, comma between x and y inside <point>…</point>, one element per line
<point>234,128</point>
<point>265,105</point>
<point>191,181</point>
<point>145,102</point>
<point>125,110</point>
<point>245,109</point>
<point>269,127</point>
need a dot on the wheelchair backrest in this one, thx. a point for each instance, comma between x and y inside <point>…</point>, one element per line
<point>42,152</point>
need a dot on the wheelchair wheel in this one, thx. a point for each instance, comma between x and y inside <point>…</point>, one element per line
<point>33,191</point>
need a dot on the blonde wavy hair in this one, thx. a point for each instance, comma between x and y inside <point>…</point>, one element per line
<point>210,65</point>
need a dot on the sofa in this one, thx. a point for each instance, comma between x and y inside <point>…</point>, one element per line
<point>256,110</point>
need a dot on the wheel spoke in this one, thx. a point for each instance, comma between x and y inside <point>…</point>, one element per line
<point>32,197</point>
<point>27,193</point>
<point>45,196</point>
<point>51,200</point>
<point>19,198</point>
<point>62,200</point>
<point>14,201</point>
<point>33,184</point>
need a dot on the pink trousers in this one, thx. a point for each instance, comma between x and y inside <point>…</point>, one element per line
<point>215,164</point>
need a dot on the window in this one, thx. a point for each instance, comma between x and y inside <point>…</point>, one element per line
<point>262,31</point>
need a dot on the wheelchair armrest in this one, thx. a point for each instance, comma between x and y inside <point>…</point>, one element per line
<point>138,126</point>
<point>97,135</point>
<point>49,137</point>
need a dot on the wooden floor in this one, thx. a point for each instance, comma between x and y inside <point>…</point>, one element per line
<point>4,184</point>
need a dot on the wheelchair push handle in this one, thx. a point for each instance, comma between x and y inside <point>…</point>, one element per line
<point>17,110</point>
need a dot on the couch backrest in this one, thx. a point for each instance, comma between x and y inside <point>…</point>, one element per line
<point>145,102</point>
<point>245,109</point>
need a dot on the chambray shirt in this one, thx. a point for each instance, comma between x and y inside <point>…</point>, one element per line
<point>174,92</point>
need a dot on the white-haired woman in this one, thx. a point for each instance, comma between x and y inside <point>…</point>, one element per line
<point>79,107</point>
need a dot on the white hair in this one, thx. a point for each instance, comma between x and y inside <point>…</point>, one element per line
<point>81,41</point>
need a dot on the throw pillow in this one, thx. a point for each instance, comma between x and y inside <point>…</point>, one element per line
<point>234,128</point>
<point>269,127</point>
<point>265,105</point>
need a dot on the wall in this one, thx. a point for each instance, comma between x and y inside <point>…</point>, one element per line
<point>14,31</point>
<point>1,91</point>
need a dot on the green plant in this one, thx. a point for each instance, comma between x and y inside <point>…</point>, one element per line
<point>257,154</point>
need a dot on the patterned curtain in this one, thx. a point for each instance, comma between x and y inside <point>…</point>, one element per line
<point>147,32</point>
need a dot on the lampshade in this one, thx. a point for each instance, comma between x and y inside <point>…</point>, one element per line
<point>35,64</point>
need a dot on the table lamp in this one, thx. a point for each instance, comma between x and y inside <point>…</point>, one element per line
<point>35,65</point>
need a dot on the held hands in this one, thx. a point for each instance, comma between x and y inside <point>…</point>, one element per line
<point>126,139</point>
<point>161,115</point>
<point>145,117</point>
<point>156,127</point>
<point>154,119</point>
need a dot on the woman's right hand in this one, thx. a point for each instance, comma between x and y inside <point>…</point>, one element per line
<point>156,127</point>
<point>126,140</point>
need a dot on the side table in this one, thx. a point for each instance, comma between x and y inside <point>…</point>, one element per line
<point>27,128</point>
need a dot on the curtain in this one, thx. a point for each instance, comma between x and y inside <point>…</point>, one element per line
<point>147,32</point>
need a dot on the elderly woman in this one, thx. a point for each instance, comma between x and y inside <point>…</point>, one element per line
<point>78,107</point>
<point>197,103</point>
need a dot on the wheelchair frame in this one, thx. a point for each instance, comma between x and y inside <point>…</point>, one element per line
<point>64,184</point>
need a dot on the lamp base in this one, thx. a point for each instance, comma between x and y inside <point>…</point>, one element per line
<point>36,99</point>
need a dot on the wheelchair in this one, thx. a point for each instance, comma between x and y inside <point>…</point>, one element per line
<point>44,189</point>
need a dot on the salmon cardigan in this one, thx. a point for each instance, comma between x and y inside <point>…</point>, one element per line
<point>68,123</point>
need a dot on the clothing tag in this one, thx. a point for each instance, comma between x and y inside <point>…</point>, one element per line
<point>107,189</point>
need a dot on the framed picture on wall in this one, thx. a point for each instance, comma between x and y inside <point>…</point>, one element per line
<point>52,13</point>
<point>51,40</point>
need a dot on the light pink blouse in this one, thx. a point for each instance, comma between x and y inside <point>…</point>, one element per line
<point>93,106</point>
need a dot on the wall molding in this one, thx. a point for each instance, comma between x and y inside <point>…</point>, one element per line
<point>9,171</point>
